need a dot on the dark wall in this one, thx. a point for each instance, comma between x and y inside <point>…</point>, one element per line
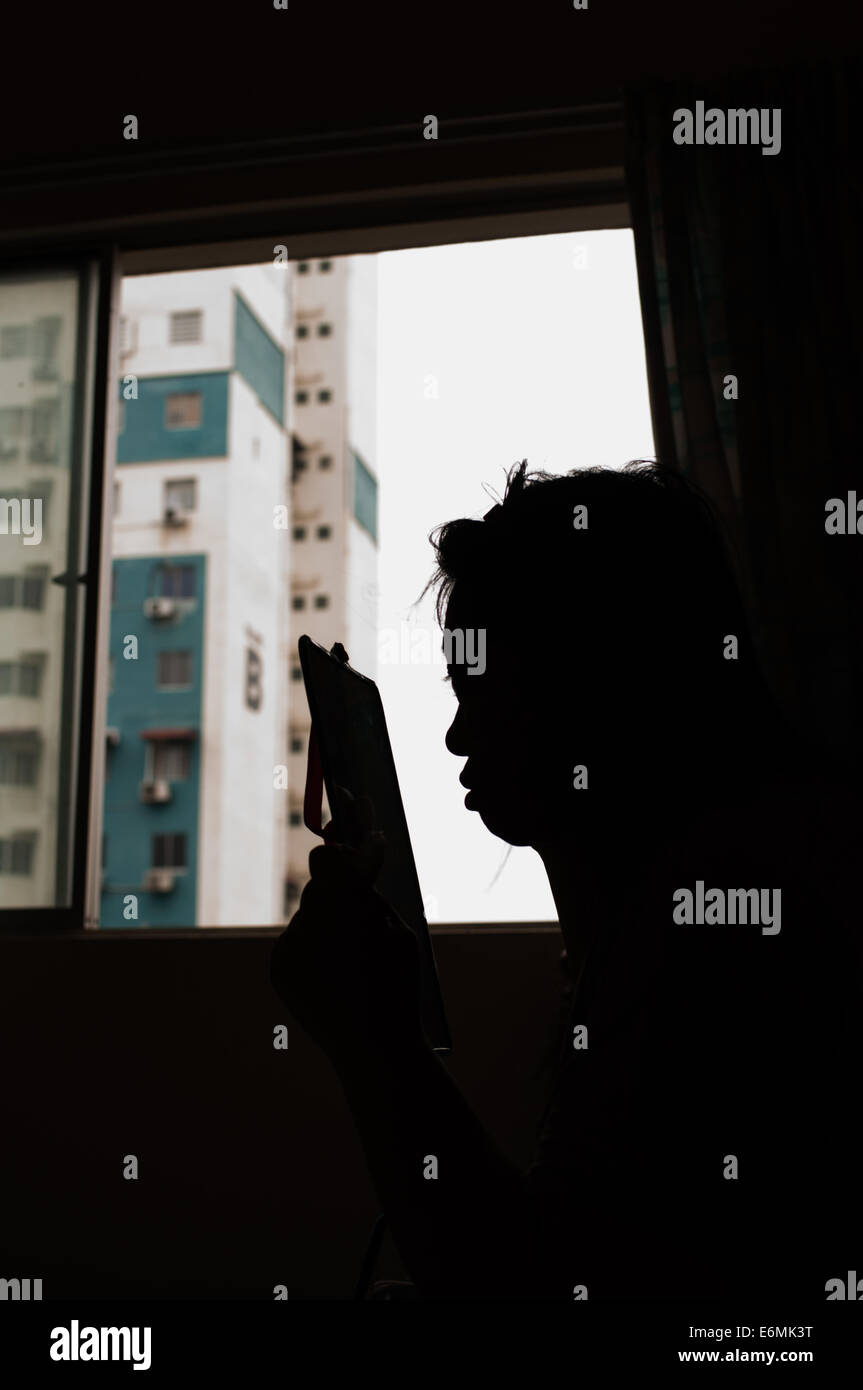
<point>250,1174</point>
<point>244,69</point>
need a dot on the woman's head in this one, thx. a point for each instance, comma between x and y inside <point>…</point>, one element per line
<point>614,640</point>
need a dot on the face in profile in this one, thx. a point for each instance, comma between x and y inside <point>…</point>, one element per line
<point>518,769</point>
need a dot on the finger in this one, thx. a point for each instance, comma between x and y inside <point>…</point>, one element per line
<point>343,867</point>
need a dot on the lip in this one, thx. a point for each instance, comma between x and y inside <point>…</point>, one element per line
<point>470,800</point>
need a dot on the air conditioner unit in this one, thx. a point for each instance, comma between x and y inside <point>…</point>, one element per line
<point>159,608</point>
<point>159,880</point>
<point>155,791</point>
<point>112,734</point>
<point>175,516</point>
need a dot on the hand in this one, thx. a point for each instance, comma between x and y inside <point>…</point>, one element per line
<point>347,967</point>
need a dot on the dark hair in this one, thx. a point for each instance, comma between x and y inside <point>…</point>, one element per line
<point>648,581</point>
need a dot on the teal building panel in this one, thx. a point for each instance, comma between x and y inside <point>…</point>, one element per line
<point>135,704</point>
<point>145,438</point>
<point>259,359</point>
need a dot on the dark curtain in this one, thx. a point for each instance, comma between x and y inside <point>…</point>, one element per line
<point>749,265</point>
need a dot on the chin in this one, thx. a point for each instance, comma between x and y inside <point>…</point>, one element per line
<point>513,826</point>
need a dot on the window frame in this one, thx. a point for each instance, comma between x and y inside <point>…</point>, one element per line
<point>476,199</point>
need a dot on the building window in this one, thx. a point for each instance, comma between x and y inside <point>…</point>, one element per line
<point>301,397</point>
<point>325,461</point>
<point>173,669</point>
<point>183,410</point>
<point>14,342</point>
<point>16,854</point>
<point>322,600</point>
<point>298,602</point>
<point>296,673</point>
<point>170,760</point>
<point>303,267</point>
<point>168,851</point>
<point>253,678</point>
<point>325,330</point>
<point>22,591</point>
<point>181,495</point>
<point>295,818</point>
<point>324,533</point>
<point>186,326</point>
<point>324,396</point>
<point>299,533</point>
<point>21,677</point>
<point>177,581</point>
<point>302,330</point>
<point>296,743</point>
<point>19,759</point>
<point>325,265</point>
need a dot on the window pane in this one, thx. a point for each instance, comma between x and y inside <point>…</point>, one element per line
<point>40,622</point>
<point>180,494</point>
<point>183,410</point>
<point>174,668</point>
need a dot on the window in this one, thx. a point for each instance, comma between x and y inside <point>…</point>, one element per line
<point>32,591</point>
<point>302,330</point>
<point>16,854</point>
<point>168,851</point>
<point>298,602</point>
<point>295,818</point>
<point>181,495</point>
<point>186,326</point>
<point>296,743</point>
<point>22,591</point>
<point>324,396</point>
<point>177,581</point>
<point>21,677</point>
<point>170,760</point>
<point>325,461</point>
<point>14,342</point>
<point>296,673</point>
<point>324,533</point>
<point>325,330</point>
<point>183,410</point>
<point>29,677</point>
<point>45,422</point>
<point>12,422</point>
<point>18,761</point>
<point>299,533</point>
<point>322,600</point>
<point>325,265</point>
<point>173,669</point>
<point>253,678</point>
<point>301,397</point>
<point>303,267</point>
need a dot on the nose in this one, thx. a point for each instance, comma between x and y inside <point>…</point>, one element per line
<point>456,735</point>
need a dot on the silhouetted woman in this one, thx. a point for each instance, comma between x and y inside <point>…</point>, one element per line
<point>698,1136</point>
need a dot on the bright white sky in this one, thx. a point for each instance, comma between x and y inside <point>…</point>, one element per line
<point>537,350</point>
